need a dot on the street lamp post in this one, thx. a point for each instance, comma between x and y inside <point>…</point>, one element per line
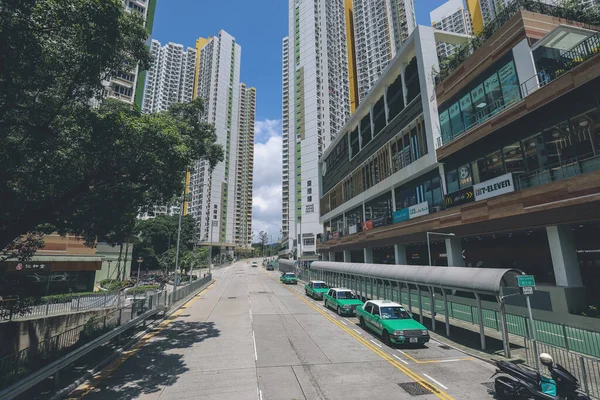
<point>428,245</point>
<point>139,260</point>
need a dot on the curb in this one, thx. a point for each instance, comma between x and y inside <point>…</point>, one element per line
<point>64,392</point>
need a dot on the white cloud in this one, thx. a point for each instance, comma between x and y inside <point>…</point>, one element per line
<point>266,202</point>
<point>264,130</point>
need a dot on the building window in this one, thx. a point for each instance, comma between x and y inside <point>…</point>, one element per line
<point>354,143</point>
<point>365,130</point>
<point>308,183</point>
<point>309,191</point>
<point>309,199</point>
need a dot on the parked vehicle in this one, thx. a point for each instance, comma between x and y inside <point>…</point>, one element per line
<point>392,322</point>
<point>316,289</point>
<point>289,278</point>
<point>254,264</point>
<point>270,267</point>
<point>344,301</point>
<point>516,382</point>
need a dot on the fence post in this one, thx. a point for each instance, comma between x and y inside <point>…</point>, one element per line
<point>564,329</point>
<point>584,375</point>
<point>47,306</point>
<point>78,300</point>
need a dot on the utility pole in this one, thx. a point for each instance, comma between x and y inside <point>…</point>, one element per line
<point>175,281</point>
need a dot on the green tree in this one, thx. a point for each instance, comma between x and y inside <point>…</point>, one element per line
<point>67,166</point>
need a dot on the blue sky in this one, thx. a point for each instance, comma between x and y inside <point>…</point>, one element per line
<point>258,26</point>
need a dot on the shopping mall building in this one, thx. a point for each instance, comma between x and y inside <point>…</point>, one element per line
<point>501,155</point>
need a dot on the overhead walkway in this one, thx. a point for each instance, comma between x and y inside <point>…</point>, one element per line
<point>474,295</point>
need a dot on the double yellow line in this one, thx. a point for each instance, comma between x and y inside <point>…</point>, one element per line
<point>407,371</point>
<point>97,379</point>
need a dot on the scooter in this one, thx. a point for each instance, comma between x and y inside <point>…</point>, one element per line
<point>516,382</point>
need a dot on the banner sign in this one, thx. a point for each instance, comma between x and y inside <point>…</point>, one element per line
<point>459,198</point>
<point>494,187</point>
<point>379,222</point>
<point>419,210</point>
<point>353,229</point>
<point>367,225</point>
<point>411,212</point>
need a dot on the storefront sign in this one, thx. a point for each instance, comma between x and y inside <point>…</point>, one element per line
<point>509,83</point>
<point>401,215</point>
<point>353,229</point>
<point>418,210</point>
<point>310,208</point>
<point>411,212</point>
<point>28,266</point>
<point>494,187</point>
<point>336,235</point>
<point>367,225</point>
<point>459,198</point>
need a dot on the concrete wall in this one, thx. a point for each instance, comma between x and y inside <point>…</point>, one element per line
<point>18,335</point>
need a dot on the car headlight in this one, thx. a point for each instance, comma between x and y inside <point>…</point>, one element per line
<point>398,333</point>
<point>424,332</point>
<point>347,306</point>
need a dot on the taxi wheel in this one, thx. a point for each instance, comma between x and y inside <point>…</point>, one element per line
<point>339,310</point>
<point>386,338</point>
<point>362,322</point>
<point>306,292</point>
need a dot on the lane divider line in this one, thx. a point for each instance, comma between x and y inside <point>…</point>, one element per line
<point>433,380</point>
<point>408,372</point>
<point>375,343</point>
<point>255,352</point>
<point>357,331</point>
<point>395,356</point>
<point>97,379</point>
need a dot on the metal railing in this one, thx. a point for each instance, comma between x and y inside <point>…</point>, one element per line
<point>30,366</point>
<point>54,306</point>
<point>585,369</point>
<point>558,171</point>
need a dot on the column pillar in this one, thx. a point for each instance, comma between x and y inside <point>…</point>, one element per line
<point>454,252</point>
<point>347,258</point>
<point>564,256</point>
<point>400,254</point>
<point>368,255</point>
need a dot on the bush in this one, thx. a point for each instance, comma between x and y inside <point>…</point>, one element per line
<point>113,284</point>
<point>141,289</point>
<point>93,328</point>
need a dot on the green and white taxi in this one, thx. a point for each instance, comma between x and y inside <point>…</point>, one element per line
<point>344,301</point>
<point>288,278</point>
<point>392,322</point>
<point>316,289</point>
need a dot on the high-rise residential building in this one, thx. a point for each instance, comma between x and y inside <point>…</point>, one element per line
<point>380,28</point>
<point>245,168</point>
<point>317,104</point>
<point>450,17</point>
<point>128,86</point>
<point>214,203</point>
<point>170,78</point>
<point>285,129</point>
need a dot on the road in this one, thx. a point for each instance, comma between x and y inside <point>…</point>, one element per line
<point>250,337</point>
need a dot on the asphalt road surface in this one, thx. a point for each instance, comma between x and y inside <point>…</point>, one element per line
<point>250,337</point>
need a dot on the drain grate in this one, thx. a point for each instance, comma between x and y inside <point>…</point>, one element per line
<point>418,388</point>
<point>443,346</point>
<point>261,292</point>
<point>232,297</point>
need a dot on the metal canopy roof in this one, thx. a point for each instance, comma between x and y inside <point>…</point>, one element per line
<point>476,280</point>
<point>289,263</point>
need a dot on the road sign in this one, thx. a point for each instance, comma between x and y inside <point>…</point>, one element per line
<point>525,281</point>
<point>527,290</point>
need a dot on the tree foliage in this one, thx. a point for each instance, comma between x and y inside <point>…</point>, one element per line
<point>68,166</point>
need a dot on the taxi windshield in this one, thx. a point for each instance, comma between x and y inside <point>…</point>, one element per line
<point>319,285</point>
<point>394,313</point>
<point>346,295</point>
<point>290,275</point>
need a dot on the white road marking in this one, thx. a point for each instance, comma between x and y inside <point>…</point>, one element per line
<point>343,323</point>
<point>452,360</point>
<point>401,352</point>
<point>255,353</point>
<point>395,356</point>
<point>357,331</point>
<point>260,395</point>
<point>375,343</point>
<point>348,320</point>
<point>433,380</point>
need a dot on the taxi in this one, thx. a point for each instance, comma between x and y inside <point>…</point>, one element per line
<point>288,278</point>
<point>316,289</point>
<point>344,301</point>
<point>392,322</point>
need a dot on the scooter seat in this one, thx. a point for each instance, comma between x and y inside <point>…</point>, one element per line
<point>515,370</point>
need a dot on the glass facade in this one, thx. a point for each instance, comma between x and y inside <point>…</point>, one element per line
<point>487,95</point>
<point>568,148</point>
<point>425,189</point>
<point>380,210</point>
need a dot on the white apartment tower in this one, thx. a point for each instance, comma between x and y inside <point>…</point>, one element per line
<point>450,17</point>
<point>380,28</point>
<point>285,129</point>
<point>316,105</point>
<point>213,193</point>
<point>245,168</point>
<point>171,77</point>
